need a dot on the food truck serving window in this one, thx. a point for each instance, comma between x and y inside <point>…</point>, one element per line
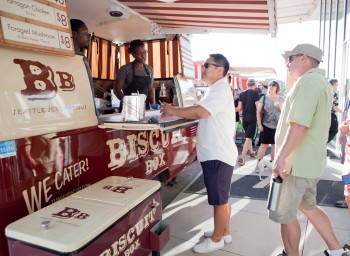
<point>103,58</point>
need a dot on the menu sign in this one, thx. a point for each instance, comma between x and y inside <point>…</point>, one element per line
<point>34,25</point>
<point>60,2</point>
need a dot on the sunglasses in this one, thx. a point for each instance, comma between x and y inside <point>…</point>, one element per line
<point>207,64</point>
<point>291,58</point>
<point>273,84</point>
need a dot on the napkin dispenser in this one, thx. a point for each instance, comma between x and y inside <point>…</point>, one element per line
<point>134,108</point>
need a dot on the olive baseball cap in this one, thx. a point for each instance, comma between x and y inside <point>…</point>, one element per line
<point>307,49</point>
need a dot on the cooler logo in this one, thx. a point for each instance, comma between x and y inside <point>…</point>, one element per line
<point>117,189</point>
<point>40,81</point>
<point>68,213</point>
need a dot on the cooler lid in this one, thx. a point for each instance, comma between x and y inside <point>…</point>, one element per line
<point>120,190</point>
<point>73,223</point>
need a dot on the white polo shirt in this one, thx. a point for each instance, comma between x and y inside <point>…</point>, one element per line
<point>215,133</point>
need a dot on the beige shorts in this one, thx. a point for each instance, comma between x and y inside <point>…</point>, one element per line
<point>296,193</point>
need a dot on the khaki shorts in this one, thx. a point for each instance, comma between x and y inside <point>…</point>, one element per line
<point>296,193</point>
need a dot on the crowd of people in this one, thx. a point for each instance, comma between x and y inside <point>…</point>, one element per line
<point>296,126</point>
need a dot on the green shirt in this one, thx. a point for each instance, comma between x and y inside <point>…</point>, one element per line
<point>308,103</point>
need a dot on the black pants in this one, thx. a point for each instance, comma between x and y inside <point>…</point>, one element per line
<point>333,129</point>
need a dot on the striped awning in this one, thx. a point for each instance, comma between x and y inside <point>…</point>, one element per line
<point>154,19</point>
<point>205,16</point>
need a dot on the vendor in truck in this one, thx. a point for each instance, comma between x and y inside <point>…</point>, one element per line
<point>136,76</point>
<point>81,40</point>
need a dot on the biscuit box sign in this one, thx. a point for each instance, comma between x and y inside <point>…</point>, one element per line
<point>108,218</point>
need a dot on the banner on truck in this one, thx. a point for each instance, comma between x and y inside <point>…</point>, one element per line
<point>42,94</point>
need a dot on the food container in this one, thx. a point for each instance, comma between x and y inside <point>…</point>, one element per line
<point>134,108</point>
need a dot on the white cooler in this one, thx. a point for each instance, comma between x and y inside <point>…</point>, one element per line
<point>112,217</point>
<point>126,191</point>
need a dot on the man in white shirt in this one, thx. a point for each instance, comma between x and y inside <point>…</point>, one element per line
<point>216,150</point>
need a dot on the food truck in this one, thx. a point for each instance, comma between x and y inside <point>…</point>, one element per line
<point>77,177</point>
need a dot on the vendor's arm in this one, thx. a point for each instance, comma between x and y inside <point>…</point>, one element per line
<point>191,112</point>
<point>118,85</point>
<point>151,93</point>
<point>294,137</point>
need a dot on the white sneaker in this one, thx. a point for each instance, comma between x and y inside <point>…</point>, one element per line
<point>227,239</point>
<point>208,246</point>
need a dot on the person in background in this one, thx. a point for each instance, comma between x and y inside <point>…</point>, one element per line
<point>345,128</point>
<point>81,36</point>
<point>248,102</point>
<point>300,158</point>
<point>235,98</point>
<point>81,41</point>
<point>264,89</point>
<point>270,104</point>
<point>333,130</point>
<point>216,149</point>
<point>342,139</point>
<point>259,90</point>
<point>136,76</point>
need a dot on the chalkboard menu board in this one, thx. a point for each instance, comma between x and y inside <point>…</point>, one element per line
<point>41,25</point>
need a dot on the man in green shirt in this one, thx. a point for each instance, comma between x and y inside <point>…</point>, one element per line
<point>301,138</point>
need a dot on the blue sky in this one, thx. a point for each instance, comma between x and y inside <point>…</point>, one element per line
<point>256,50</point>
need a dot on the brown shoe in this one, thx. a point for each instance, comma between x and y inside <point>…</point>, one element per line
<point>252,155</point>
<point>241,161</point>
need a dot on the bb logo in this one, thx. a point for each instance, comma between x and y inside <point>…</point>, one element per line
<point>117,189</point>
<point>68,213</point>
<point>40,80</point>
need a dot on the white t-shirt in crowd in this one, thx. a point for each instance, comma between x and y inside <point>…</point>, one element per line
<point>215,133</point>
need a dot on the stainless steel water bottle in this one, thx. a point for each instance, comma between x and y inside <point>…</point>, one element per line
<point>274,194</point>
